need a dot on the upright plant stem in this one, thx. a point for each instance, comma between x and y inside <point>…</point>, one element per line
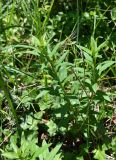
<point>47,17</point>
<point>77,21</point>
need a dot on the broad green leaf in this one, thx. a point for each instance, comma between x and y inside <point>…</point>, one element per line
<point>95,87</point>
<point>107,98</point>
<point>42,93</point>
<point>52,127</point>
<point>62,73</point>
<point>79,158</point>
<point>99,154</point>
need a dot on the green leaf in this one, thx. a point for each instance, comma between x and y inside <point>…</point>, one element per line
<point>41,150</point>
<point>52,127</point>
<point>95,87</point>
<point>114,144</point>
<point>15,148</point>
<point>105,65</point>
<point>43,144</point>
<point>46,152</point>
<point>34,52</point>
<point>93,45</point>
<point>62,58</point>
<point>113,13</point>
<point>99,154</point>
<point>17,71</point>
<point>55,49</point>
<point>88,57</point>
<point>62,73</point>
<point>107,98</point>
<point>84,49</point>
<point>35,41</point>
<point>10,155</point>
<point>20,46</point>
<point>53,152</point>
<point>42,93</point>
<point>102,45</point>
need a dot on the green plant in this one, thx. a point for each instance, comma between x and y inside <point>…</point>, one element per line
<point>4,87</point>
<point>30,150</point>
<point>57,79</point>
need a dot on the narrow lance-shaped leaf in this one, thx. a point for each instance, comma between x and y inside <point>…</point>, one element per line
<point>105,65</point>
<point>10,155</point>
<point>53,152</point>
<point>55,49</point>
<point>3,86</point>
<point>102,45</point>
<point>84,49</point>
<point>93,45</point>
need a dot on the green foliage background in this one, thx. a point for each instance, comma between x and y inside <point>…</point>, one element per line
<point>57,79</point>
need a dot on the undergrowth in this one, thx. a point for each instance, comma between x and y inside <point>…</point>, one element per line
<point>57,80</point>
